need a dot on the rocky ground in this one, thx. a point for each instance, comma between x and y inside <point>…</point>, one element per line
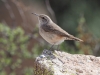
<point>62,63</point>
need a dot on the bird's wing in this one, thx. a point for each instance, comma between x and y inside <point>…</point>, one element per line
<point>55,29</point>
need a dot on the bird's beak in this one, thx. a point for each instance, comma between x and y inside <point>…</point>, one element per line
<point>35,14</point>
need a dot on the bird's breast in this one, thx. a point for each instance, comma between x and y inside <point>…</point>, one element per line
<point>51,38</point>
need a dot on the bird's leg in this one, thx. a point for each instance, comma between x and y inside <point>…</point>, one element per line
<point>51,47</point>
<point>58,48</point>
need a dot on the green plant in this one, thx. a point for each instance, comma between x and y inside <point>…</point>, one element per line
<point>13,50</point>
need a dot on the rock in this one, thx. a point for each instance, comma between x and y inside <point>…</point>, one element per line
<point>61,63</point>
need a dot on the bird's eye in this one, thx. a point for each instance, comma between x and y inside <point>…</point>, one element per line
<point>43,18</point>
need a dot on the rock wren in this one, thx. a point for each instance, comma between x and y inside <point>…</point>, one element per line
<point>51,32</point>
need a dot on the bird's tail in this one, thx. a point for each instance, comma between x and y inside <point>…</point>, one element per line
<point>71,37</point>
<point>77,39</point>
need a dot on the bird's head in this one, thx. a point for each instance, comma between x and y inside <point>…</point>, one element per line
<point>43,19</point>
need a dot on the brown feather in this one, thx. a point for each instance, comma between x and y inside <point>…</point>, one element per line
<point>54,29</point>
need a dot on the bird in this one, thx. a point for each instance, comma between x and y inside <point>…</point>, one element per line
<point>51,32</point>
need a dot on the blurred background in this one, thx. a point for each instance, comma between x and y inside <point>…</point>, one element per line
<point>20,41</point>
